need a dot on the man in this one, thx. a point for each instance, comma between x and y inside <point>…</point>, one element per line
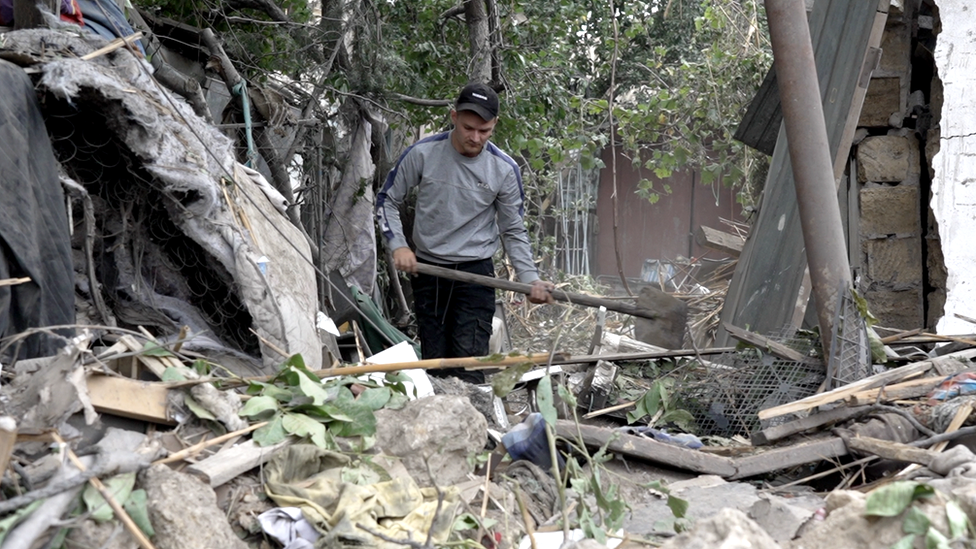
<point>469,197</point>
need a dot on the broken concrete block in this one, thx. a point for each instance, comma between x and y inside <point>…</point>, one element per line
<point>896,309</point>
<point>883,98</point>
<point>668,330</point>
<point>184,512</point>
<point>894,261</point>
<point>727,529</point>
<point>886,158</point>
<point>440,431</point>
<point>779,517</point>
<point>846,525</point>
<point>887,211</point>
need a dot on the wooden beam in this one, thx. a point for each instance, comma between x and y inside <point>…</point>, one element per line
<point>778,432</point>
<point>891,450</point>
<point>8,438</point>
<point>722,241</point>
<point>764,343</point>
<point>647,449</point>
<point>899,391</point>
<point>121,396</point>
<point>787,457</point>
<point>229,463</point>
<point>907,371</point>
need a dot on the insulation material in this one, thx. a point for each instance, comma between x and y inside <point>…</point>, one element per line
<point>953,191</point>
<point>350,236</point>
<point>187,237</point>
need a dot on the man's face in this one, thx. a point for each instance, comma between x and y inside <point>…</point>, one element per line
<point>471,132</point>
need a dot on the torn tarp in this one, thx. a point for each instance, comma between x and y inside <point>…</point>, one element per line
<point>34,239</point>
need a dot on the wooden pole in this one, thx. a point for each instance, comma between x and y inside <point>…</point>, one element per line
<point>559,295</point>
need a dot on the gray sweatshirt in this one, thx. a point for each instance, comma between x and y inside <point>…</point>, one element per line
<point>465,206</point>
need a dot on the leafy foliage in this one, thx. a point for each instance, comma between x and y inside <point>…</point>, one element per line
<point>296,402</point>
<point>658,404</point>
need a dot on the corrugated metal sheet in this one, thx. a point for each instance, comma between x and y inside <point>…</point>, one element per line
<point>763,292</point>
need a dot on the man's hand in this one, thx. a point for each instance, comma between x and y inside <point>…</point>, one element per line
<point>542,292</point>
<point>405,260</point>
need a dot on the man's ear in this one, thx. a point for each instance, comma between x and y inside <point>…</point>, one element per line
<point>454,117</point>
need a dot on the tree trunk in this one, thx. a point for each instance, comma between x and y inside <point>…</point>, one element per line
<point>476,17</point>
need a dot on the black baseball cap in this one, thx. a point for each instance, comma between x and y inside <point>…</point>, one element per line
<point>479,99</point>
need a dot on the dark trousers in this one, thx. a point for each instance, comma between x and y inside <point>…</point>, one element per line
<point>454,318</point>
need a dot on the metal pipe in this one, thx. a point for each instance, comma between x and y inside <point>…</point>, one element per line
<point>806,134</point>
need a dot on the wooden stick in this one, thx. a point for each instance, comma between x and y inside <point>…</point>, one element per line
<point>8,438</point>
<point>130,525</point>
<point>902,335</point>
<point>907,371</point>
<point>891,450</point>
<point>609,409</point>
<point>14,281</point>
<point>113,45</point>
<point>196,448</point>
<point>181,338</point>
<point>558,295</point>
<point>908,389</point>
<point>962,414</point>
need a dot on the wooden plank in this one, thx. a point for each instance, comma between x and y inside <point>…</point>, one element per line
<point>770,346</point>
<point>8,438</point>
<point>647,449</point>
<point>908,389</point>
<point>907,371</point>
<point>121,396</point>
<point>229,463</point>
<point>891,450</point>
<point>719,240</point>
<point>779,432</point>
<point>790,456</point>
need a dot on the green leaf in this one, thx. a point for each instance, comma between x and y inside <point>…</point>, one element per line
<point>271,434</point>
<point>934,539</point>
<point>171,374</point>
<point>657,485</point>
<point>304,427</point>
<point>678,506</point>
<point>138,509</point>
<point>119,486</point>
<point>906,542</point>
<point>543,398</point>
<point>361,421</point>
<point>151,348</point>
<point>259,407</point>
<point>10,521</point>
<point>197,409</point>
<point>566,395</point>
<point>375,399</point>
<point>891,499</point>
<point>916,522</point>
<point>313,389</point>
<point>681,418</point>
<point>503,382</point>
<point>958,521</point>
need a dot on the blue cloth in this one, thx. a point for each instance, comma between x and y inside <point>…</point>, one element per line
<point>528,441</point>
<point>105,18</point>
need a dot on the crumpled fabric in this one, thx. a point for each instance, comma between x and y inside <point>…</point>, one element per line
<point>957,461</point>
<point>289,527</point>
<point>957,385</point>
<point>347,500</point>
<point>528,441</point>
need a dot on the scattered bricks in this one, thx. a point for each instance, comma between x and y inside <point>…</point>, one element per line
<point>896,50</point>
<point>885,159</point>
<point>894,261</point>
<point>882,100</point>
<point>887,211</point>
<point>901,310</point>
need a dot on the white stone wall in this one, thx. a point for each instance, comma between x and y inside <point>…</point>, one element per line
<point>954,184</point>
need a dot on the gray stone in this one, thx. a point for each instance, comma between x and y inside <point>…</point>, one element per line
<point>883,99</point>
<point>668,330</point>
<point>885,159</point>
<point>896,47</point>
<point>729,529</point>
<point>184,513</point>
<point>441,431</point>
<point>780,517</point>
<point>706,495</point>
<point>889,211</point>
<point>894,261</point>
<point>896,309</point>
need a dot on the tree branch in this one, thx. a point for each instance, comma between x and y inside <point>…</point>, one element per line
<point>265,6</point>
<point>422,102</point>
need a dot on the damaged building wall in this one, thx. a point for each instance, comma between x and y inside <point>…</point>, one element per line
<point>953,189</point>
<point>888,254</point>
